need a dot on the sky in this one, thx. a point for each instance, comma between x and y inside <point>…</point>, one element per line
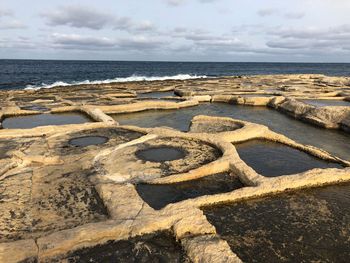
<point>176,30</point>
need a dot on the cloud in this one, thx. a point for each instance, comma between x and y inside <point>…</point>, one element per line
<point>208,1</point>
<point>312,39</point>
<point>18,43</point>
<point>80,41</point>
<point>137,36</point>
<point>180,2</point>
<point>279,41</point>
<point>190,34</point>
<point>5,12</point>
<point>294,15</point>
<point>84,42</point>
<point>85,17</point>
<point>12,24</point>
<point>205,41</point>
<point>79,17</point>
<point>144,26</point>
<point>123,23</point>
<point>330,33</point>
<point>140,43</point>
<point>7,20</point>
<point>175,2</point>
<point>321,46</point>
<point>267,12</point>
<point>228,44</point>
<point>276,12</point>
<point>287,44</point>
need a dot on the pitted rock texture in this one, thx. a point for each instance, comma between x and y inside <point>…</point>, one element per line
<point>328,102</point>
<point>115,136</point>
<point>31,146</point>
<point>39,201</point>
<point>7,146</point>
<point>125,161</point>
<point>214,127</point>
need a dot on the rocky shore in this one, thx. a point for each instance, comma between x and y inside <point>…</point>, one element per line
<point>70,174</point>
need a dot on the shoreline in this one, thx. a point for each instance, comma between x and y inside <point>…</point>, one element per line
<point>79,198</point>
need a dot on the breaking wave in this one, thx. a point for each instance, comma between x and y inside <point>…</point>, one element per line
<point>127,79</point>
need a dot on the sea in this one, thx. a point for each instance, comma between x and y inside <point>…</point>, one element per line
<point>37,74</point>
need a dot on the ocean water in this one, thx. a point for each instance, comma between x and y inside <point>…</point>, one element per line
<point>19,74</point>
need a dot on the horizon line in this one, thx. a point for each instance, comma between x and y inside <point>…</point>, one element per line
<point>172,61</point>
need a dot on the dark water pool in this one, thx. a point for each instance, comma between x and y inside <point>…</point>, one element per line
<point>158,196</point>
<point>98,137</point>
<point>161,154</point>
<point>157,247</point>
<point>179,120</point>
<point>32,121</point>
<point>255,95</point>
<point>88,140</point>
<point>335,142</point>
<point>274,159</point>
<point>306,226</point>
<point>156,94</point>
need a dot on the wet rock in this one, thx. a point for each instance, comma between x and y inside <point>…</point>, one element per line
<point>157,247</point>
<point>307,226</point>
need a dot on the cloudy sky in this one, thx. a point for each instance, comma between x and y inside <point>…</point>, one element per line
<point>176,30</point>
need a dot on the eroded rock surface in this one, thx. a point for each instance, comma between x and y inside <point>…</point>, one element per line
<point>127,165</point>
<point>94,190</point>
<point>39,201</point>
<point>64,145</point>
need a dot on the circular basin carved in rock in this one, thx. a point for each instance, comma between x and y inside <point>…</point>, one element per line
<point>161,154</point>
<point>97,138</point>
<point>157,158</point>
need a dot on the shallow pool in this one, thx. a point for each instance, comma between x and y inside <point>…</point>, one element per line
<point>158,196</point>
<point>161,154</point>
<point>32,121</point>
<point>156,94</point>
<point>335,142</point>
<point>85,141</point>
<point>306,226</point>
<point>155,247</point>
<point>275,159</point>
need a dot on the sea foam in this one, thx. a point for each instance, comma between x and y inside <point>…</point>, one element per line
<point>115,80</point>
